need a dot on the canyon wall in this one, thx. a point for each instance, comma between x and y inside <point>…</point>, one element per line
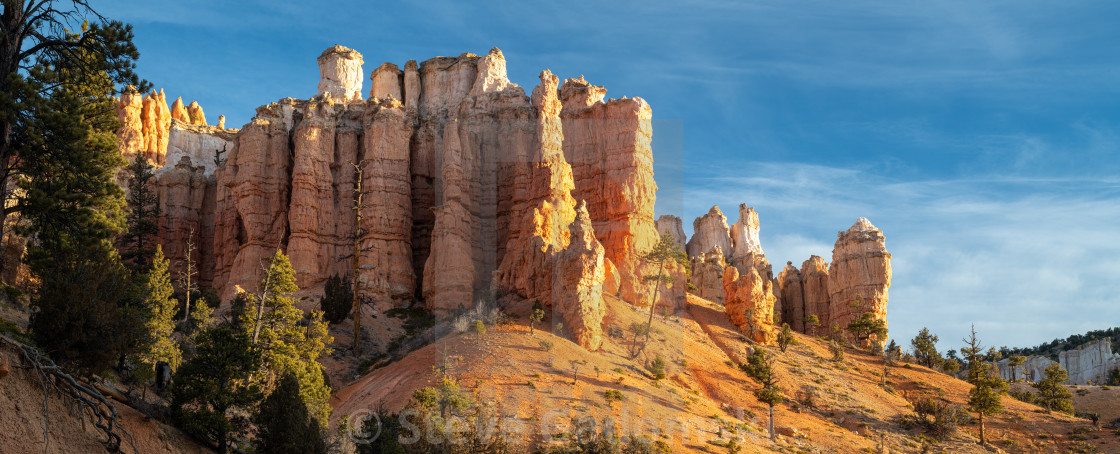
<point>468,186</point>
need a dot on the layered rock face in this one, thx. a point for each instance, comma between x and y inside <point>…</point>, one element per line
<point>860,274</point>
<point>1090,363</point>
<point>340,73</point>
<point>186,203</point>
<point>707,275</point>
<point>608,144</point>
<point>708,232</point>
<point>465,182</point>
<point>671,225</point>
<point>817,299</point>
<point>578,295</point>
<point>749,301</point>
<point>792,297</point>
<point>744,234</point>
<point>146,125</point>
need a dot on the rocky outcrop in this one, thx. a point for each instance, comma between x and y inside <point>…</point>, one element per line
<point>860,274</point>
<point>187,199</point>
<point>1032,370</point>
<point>466,188</point>
<point>710,231</point>
<point>792,297</point>
<point>707,275</point>
<point>1090,363</point>
<point>744,234</point>
<point>816,297</point>
<point>749,301</point>
<point>156,118</point>
<point>607,144</point>
<point>671,225</point>
<point>144,125</point>
<point>387,80</point>
<point>179,111</point>
<point>204,145</point>
<point>578,295</point>
<point>340,73</point>
<point>197,116</point>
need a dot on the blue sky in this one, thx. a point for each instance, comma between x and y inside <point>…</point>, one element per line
<point>983,138</point>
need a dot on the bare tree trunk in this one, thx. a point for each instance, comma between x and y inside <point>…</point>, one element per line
<point>983,440</point>
<point>653,304</point>
<point>771,425</point>
<point>357,306</point>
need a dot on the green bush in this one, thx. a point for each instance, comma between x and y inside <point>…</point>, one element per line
<point>337,300</point>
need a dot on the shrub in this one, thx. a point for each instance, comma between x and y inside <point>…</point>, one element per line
<point>1022,395</point>
<point>837,350</point>
<point>337,300</point>
<point>657,368</point>
<point>785,338</point>
<point>545,345</point>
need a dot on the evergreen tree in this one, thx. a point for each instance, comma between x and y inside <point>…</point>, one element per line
<point>337,299</point>
<point>1052,392</point>
<point>211,392</point>
<point>143,211</point>
<point>925,348</point>
<point>286,345</point>
<point>785,338</point>
<point>283,424</point>
<point>42,57</point>
<point>866,326</point>
<point>984,398</point>
<point>770,393</point>
<point>664,253</point>
<point>160,308</point>
<point>536,316</point>
<point>1014,362</point>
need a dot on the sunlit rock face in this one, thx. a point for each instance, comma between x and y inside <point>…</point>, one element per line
<point>707,275</point>
<point>469,185</point>
<point>749,301</point>
<point>669,225</point>
<point>340,73</point>
<point>859,275</point>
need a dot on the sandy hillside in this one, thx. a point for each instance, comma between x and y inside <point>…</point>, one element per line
<point>705,400</point>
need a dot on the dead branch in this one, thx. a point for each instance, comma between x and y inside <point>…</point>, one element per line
<point>53,379</point>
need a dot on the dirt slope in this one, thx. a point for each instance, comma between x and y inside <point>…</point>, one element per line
<point>705,400</point>
<point>22,421</point>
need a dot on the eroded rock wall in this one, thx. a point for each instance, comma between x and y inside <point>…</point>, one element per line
<point>749,301</point>
<point>707,275</point>
<point>859,275</point>
<point>671,225</point>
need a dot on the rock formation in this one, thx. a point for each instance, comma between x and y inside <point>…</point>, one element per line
<point>707,275</point>
<point>156,119</point>
<point>1090,363</point>
<point>860,274</point>
<point>816,297</point>
<point>708,232</point>
<point>792,297</point>
<point>130,136</point>
<point>1032,370</point>
<point>186,204</point>
<point>749,301</point>
<point>578,295</point>
<point>670,225</point>
<point>466,188</point>
<point>340,73</point>
<point>179,111</point>
<point>607,144</point>
<point>387,80</point>
<point>197,116</point>
<point>744,233</point>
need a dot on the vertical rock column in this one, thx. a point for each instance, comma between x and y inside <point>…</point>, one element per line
<point>792,297</point>
<point>578,293</point>
<point>749,301</point>
<point>608,146</point>
<point>449,271</point>
<point>860,274</point>
<point>340,73</point>
<point>388,271</point>
<point>670,225</point>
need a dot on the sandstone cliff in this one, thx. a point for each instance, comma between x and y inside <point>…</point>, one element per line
<point>792,297</point>
<point>707,275</point>
<point>578,295</point>
<point>749,301</point>
<point>708,232</point>
<point>817,299</point>
<point>466,185</point>
<point>670,225</point>
<point>860,274</point>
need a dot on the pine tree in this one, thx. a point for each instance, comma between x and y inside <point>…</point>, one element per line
<point>536,316</point>
<point>283,424</point>
<point>984,398</point>
<point>85,312</point>
<point>1052,392</point>
<point>785,338</point>
<point>211,392</point>
<point>664,253</point>
<point>286,346</point>
<point>160,308</point>
<point>143,211</point>
<point>925,348</point>
<point>866,326</point>
<point>770,393</point>
<point>38,46</point>
<point>337,299</point>
<point>1014,362</point>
